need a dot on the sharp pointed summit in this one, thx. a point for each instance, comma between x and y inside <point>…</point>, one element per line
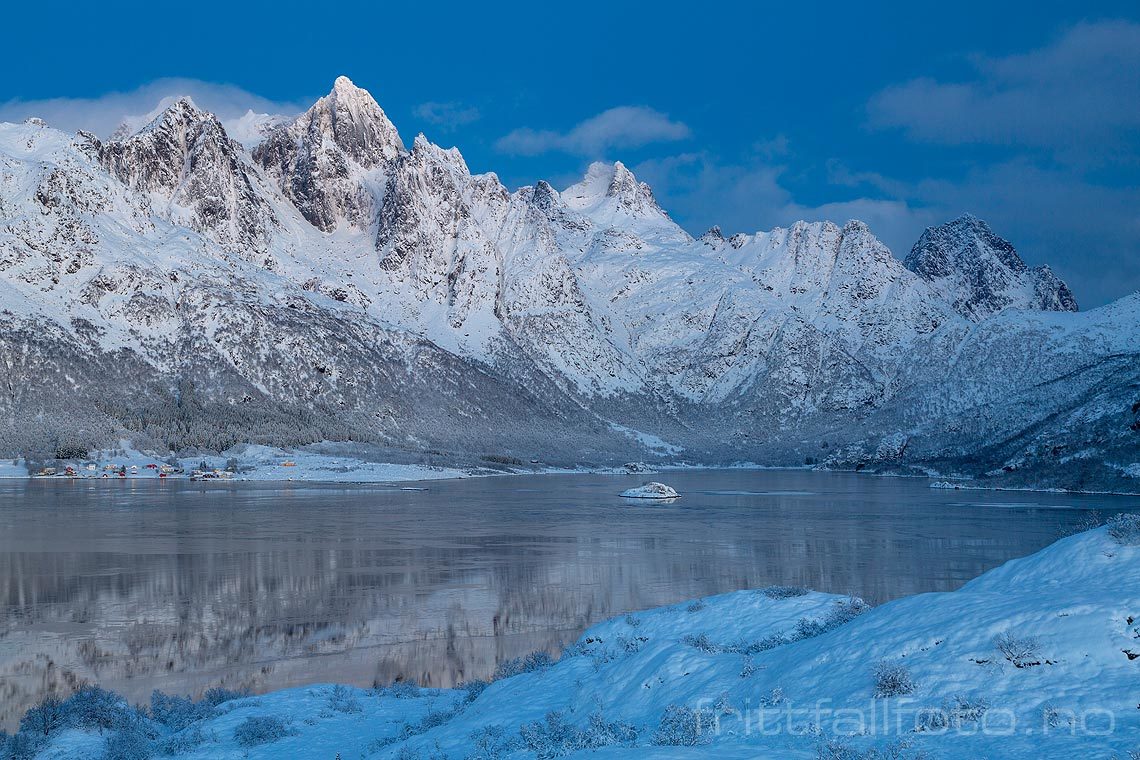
<point>319,159</point>
<point>612,196</point>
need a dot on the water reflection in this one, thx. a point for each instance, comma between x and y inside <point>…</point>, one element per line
<point>183,586</point>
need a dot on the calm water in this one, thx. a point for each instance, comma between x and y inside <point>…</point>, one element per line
<point>181,586</point>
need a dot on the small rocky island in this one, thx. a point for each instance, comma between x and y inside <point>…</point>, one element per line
<point>651,491</point>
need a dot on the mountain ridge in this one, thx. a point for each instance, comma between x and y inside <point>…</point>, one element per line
<point>274,274</point>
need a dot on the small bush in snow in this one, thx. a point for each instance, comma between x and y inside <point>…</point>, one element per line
<point>631,644</point>
<point>773,698</point>
<point>130,743</point>
<point>965,709</point>
<point>1053,717</point>
<point>783,592</point>
<point>472,689</point>
<point>184,741</point>
<point>892,679</point>
<point>400,690</point>
<point>432,720</point>
<point>260,729</point>
<point>749,668</point>
<point>1022,651</point>
<point>342,700</point>
<point>1125,529</point>
<point>218,695</point>
<point>632,621</point>
<point>696,606</point>
<point>490,743</point>
<point>45,718</point>
<point>723,705</point>
<point>759,645</point>
<point>701,642</point>
<point>553,737</point>
<point>95,709</point>
<point>603,733</point>
<point>954,713</point>
<point>176,713</point>
<point>23,746</point>
<point>705,644</point>
<point>532,662</point>
<point>683,726</point>
<point>838,749</point>
<point>1090,521</point>
<point>842,612</point>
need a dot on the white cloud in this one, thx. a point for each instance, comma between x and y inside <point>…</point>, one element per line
<point>1064,123</point>
<point>104,113</point>
<point>447,115</point>
<point>621,127</point>
<point>1078,96</point>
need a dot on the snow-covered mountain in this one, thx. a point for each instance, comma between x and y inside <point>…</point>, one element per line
<point>981,274</point>
<point>324,282</point>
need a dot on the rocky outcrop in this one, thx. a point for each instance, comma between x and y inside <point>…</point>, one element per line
<point>981,274</point>
<point>199,177</point>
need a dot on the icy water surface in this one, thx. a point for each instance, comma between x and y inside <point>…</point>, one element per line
<point>181,586</point>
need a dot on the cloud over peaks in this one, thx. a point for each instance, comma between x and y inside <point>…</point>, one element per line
<point>620,127</point>
<point>105,113</point>
<point>1081,92</point>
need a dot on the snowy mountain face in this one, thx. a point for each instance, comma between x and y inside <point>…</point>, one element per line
<point>174,287</point>
<point>322,161</point>
<point>195,175</point>
<point>981,274</point>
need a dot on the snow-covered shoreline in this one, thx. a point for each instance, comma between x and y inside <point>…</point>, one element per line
<point>1034,659</point>
<point>266,464</point>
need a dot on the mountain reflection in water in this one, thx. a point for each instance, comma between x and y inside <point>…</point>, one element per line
<point>181,586</point>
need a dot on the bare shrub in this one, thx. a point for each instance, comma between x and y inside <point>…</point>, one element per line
<point>783,592</point>
<point>260,729</point>
<point>683,726</point>
<point>1022,651</point>
<point>892,679</point>
<point>1125,529</point>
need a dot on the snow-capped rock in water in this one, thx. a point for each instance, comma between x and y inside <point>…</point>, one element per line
<point>981,274</point>
<point>651,490</point>
<point>170,288</point>
<point>1034,659</point>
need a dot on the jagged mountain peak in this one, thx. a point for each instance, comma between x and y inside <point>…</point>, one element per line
<point>424,146</point>
<point>352,118</point>
<point>343,84</point>
<point>960,243</point>
<point>611,196</point>
<point>605,180</point>
<point>180,114</point>
<point>981,273</point>
<point>713,236</point>
<point>185,156</point>
<point>319,159</point>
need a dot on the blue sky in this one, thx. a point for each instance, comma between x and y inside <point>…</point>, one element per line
<point>747,116</point>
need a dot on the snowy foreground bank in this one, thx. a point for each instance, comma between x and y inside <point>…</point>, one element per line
<point>1037,658</point>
